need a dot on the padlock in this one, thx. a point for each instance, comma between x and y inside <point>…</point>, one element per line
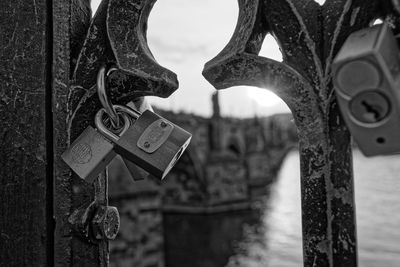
<point>153,143</point>
<point>366,80</point>
<point>91,152</point>
<point>135,171</point>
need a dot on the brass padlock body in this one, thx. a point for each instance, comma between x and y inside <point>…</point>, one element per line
<point>153,143</point>
<point>368,65</point>
<point>89,154</point>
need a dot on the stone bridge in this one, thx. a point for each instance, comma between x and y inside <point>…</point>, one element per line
<point>228,165</point>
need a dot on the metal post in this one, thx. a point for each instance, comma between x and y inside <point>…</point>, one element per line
<point>25,174</point>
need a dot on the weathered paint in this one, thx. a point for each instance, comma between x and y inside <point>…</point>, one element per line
<point>25,188</point>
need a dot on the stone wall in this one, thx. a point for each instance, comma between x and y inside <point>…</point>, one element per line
<point>140,239</point>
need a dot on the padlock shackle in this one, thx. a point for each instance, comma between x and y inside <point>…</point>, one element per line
<point>98,121</point>
<point>130,111</point>
<point>104,100</point>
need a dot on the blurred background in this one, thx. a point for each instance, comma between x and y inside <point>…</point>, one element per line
<point>239,206</point>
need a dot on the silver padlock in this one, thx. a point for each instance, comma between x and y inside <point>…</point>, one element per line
<point>91,152</point>
<point>153,143</point>
<point>135,171</point>
<point>366,75</point>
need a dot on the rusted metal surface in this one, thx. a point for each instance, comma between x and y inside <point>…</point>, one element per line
<point>25,203</point>
<point>81,15</point>
<point>309,36</point>
<point>138,74</point>
<point>70,20</point>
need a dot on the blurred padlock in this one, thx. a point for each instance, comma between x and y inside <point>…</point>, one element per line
<point>91,152</point>
<point>153,143</point>
<point>140,104</point>
<point>366,75</point>
<point>135,171</point>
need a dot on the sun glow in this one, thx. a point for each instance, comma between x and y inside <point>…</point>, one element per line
<point>263,97</point>
<point>321,2</point>
<point>94,4</point>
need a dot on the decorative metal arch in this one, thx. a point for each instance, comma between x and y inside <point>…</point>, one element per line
<point>309,36</point>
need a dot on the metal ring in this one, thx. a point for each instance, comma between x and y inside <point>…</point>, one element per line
<point>104,100</point>
<point>110,70</point>
<point>130,111</point>
<point>98,121</point>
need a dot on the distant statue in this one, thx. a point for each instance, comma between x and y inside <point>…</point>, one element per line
<point>234,141</point>
<point>215,102</point>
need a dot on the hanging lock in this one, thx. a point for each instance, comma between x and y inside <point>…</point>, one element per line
<point>91,152</point>
<point>135,171</point>
<point>366,78</point>
<point>152,142</point>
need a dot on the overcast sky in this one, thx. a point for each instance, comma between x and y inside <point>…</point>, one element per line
<point>183,35</point>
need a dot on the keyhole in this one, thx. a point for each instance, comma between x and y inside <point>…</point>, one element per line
<point>370,107</point>
<point>380,140</point>
<point>373,112</point>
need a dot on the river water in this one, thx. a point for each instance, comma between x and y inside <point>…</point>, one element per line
<point>271,234</point>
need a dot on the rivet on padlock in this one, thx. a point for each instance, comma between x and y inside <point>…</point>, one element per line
<point>153,143</point>
<point>366,75</point>
<point>91,152</point>
<point>135,171</point>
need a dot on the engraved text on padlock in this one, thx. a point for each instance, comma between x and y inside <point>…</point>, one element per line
<point>155,135</point>
<point>89,154</point>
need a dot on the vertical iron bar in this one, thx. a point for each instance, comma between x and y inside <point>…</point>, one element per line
<point>25,170</point>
